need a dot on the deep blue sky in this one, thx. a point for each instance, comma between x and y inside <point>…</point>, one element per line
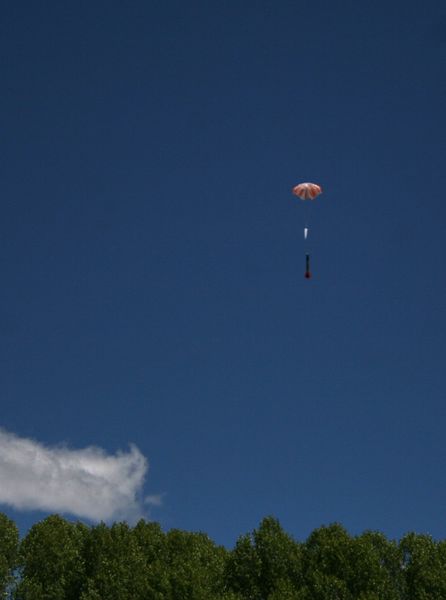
<point>151,254</point>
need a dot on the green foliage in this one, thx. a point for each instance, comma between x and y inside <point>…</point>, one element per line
<point>280,557</point>
<point>286,590</point>
<point>424,565</point>
<point>59,560</point>
<point>338,566</point>
<point>243,569</point>
<point>195,566</point>
<point>52,562</point>
<point>264,562</point>
<point>144,563</point>
<point>114,564</point>
<point>376,568</point>
<point>328,566</point>
<point>9,544</point>
<point>153,544</point>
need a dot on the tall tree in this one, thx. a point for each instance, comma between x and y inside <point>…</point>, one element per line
<point>265,561</point>
<point>9,544</point>
<point>243,569</point>
<point>328,564</point>
<point>280,558</point>
<point>114,564</point>
<point>376,568</point>
<point>424,566</point>
<point>195,565</point>
<point>52,560</point>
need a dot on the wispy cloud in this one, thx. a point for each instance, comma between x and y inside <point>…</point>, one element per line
<point>87,483</point>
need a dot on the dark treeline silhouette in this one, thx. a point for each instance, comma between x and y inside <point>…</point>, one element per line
<point>61,560</point>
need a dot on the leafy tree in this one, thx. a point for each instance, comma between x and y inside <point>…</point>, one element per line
<point>9,544</point>
<point>264,562</point>
<point>59,560</point>
<point>115,565</point>
<point>376,568</point>
<point>424,566</point>
<point>52,561</point>
<point>327,558</point>
<point>243,569</point>
<point>280,558</point>
<point>338,566</point>
<point>152,542</point>
<point>195,566</point>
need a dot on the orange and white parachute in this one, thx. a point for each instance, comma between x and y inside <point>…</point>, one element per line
<point>307,191</point>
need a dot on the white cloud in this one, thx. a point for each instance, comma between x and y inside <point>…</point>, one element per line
<point>87,483</point>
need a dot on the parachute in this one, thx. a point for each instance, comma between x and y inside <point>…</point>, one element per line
<point>307,191</point>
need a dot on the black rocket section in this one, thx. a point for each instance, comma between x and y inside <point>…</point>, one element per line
<point>307,267</point>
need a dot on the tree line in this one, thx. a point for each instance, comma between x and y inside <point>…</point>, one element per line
<point>62,560</point>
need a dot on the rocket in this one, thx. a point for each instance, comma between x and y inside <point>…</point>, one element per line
<point>307,266</point>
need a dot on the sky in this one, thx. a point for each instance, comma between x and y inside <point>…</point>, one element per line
<point>161,353</point>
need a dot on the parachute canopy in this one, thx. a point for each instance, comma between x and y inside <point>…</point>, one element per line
<point>307,191</point>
